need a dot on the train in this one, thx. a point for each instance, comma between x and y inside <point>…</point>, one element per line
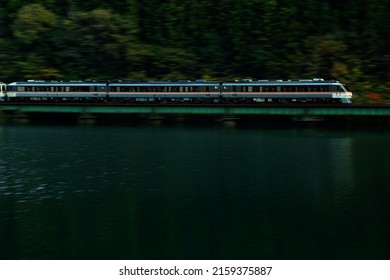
<point>315,90</point>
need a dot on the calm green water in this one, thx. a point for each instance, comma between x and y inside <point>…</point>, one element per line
<point>184,192</point>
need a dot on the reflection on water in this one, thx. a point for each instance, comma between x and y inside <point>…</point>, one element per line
<point>150,192</point>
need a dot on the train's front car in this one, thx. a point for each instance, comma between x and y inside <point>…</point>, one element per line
<point>340,91</point>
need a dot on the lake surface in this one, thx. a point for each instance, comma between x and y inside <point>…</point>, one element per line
<point>194,192</point>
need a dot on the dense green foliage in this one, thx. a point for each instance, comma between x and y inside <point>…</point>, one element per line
<point>175,39</point>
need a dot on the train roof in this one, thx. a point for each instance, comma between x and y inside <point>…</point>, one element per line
<point>165,83</point>
<point>113,83</point>
<point>58,83</point>
<point>283,82</point>
<point>301,82</point>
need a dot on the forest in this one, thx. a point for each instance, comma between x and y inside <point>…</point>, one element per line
<point>346,40</point>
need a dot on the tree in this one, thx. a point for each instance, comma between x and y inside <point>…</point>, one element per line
<point>33,22</point>
<point>96,45</point>
<point>34,31</point>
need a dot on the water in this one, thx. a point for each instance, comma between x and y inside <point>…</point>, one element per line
<point>185,192</point>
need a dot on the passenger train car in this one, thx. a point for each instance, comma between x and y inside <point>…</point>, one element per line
<point>200,91</point>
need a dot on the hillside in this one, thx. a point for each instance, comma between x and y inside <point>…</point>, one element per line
<point>171,39</point>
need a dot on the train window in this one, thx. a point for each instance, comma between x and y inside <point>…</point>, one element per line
<point>20,88</point>
<point>314,88</point>
<point>323,88</point>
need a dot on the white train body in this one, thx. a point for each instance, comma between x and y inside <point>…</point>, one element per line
<point>245,91</point>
